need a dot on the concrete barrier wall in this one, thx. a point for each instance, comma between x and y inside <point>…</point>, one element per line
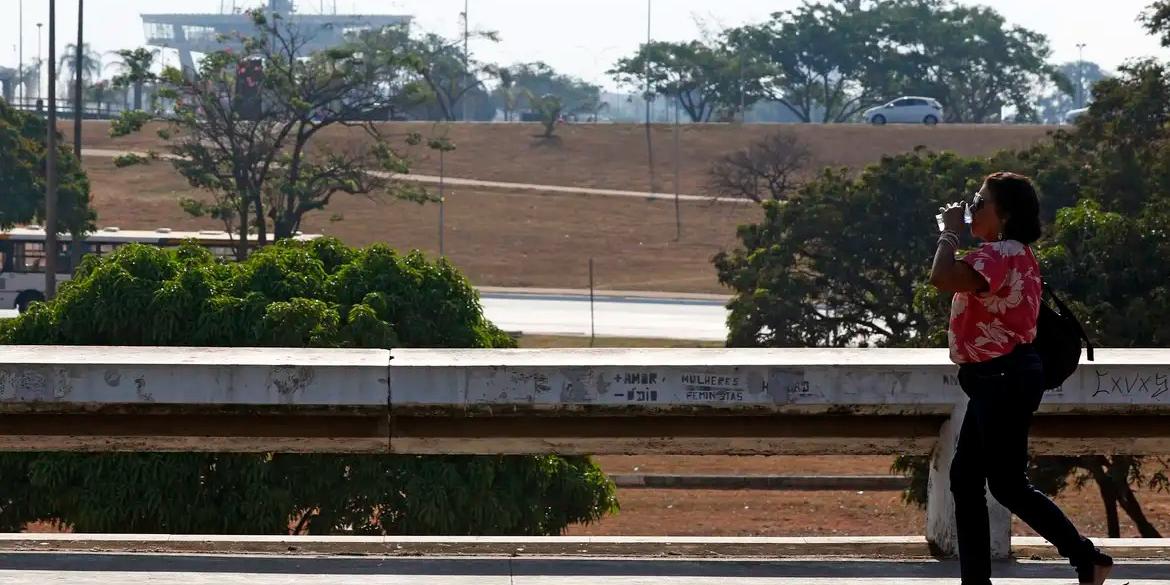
<point>805,401</point>
<point>872,381</point>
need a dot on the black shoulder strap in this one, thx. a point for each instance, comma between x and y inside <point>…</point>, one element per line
<point>1068,314</point>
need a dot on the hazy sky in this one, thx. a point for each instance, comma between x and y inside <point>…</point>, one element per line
<point>580,37</point>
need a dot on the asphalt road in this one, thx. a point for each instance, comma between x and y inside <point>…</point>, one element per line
<point>615,316</point>
<point>139,569</point>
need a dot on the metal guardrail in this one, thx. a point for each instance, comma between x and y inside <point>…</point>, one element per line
<point>65,108</point>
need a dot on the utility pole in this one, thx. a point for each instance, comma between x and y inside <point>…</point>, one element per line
<point>742,95</point>
<point>78,101</point>
<point>40,61</point>
<point>51,164</point>
<point>1080,75</point>
<point>649,138</point>
<point>466,58</point>
<point>677,210</point>
<point>20,56</point>
<point>592,314</point>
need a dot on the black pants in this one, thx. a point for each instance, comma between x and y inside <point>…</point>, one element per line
<point>1003,394</point>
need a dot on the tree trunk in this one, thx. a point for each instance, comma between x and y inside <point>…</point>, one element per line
<point>261,224</point>
<point>137,95</point>
<point>242,244</point>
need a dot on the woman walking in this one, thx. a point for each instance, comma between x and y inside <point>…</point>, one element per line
<point>992,326</point>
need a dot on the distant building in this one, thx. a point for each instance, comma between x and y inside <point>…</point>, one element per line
<point>201,33</point>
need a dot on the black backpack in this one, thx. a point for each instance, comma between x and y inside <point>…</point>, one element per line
<point>1058,341</point>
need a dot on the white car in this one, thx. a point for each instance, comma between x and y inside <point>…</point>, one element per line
<point>906,110</point>
<point>1072,115</point>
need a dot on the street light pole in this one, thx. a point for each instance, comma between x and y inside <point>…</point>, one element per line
<point>1080,75</point>
<point>51,165</point>
<point>442,199</point>
<point>20,55</point>
<point>78,102</point>
<point>40,61</point>
<point>677,210</point>
<point>646,96</point>
<point>649,15</point>
<point>466,58</point>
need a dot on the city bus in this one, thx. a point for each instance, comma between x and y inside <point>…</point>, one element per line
<point>22,255</point>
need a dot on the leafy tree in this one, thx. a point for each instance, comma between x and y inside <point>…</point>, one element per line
<point>1058,99</point>
<point>828,61</point>
<point>506,93</point>
<point>549,108</point>
<point>22,176</point>
<point>539,80</point>
<point>449,74</point>
<point>91,62</point>
<point>830,266</point>
<point>1156,20</point>
<point>966,56</point>
<point>318,294</point>
<point>705,79</point>
<point>32,78</point>
<point>98,93</point>
<point>820,60</point>
<point>137,70</point>
<point>593,106</point>
<point>243,129</point>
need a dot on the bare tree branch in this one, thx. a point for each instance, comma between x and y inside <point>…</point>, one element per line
<point>769,169</point>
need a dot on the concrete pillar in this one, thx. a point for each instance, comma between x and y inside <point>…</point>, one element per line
<point>186,61</point>
<point>940,507</point>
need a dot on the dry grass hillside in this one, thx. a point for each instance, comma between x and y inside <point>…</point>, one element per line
<point>613,156</point>
<point>530,238</point>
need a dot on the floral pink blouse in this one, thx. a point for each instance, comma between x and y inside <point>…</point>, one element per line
<point>991,324</point>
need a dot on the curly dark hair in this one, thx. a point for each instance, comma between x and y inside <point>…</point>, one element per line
<point>1016,199</point>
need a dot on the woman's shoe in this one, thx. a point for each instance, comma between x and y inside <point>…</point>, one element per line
<point>1096,571</point>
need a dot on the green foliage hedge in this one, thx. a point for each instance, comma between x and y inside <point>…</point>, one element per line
<point>317,294</point>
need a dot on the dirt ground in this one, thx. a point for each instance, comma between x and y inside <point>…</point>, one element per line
<point>794,513</point>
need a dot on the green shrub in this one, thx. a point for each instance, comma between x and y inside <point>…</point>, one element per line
<point>318,294</point>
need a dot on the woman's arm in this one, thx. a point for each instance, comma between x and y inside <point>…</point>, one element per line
<point>950,275</point>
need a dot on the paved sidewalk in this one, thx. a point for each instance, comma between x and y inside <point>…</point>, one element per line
<point>86,569</point>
